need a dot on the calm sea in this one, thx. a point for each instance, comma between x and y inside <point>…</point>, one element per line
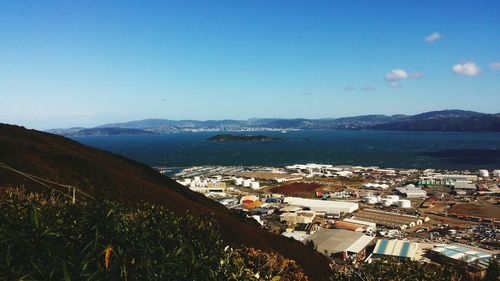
<point>384,149</point>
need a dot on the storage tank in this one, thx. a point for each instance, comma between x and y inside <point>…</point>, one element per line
<point>379,199</point>
<point>496,173</point>
<point>246,183</point>
<point>197,178</point>
<point>484,173</point>
<point>386,202</point>
<point>238,181</point>
<point>404,203</point>
<point>255,185</point>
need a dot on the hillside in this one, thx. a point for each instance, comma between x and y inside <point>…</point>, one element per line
<point>101,240</point>
<point>105,175</point>
<point>108,131</point>
<point>445,121</point>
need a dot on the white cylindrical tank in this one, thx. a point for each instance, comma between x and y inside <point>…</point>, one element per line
<point>255,185</point>
<point>404,203</point>
<point>496,173</point>
<point>246,182</point>
<point>484,173</point>
<point>238,181</point>
<point>379,199</point>
<point>197,178</point>
<point>386,202</point>
<point>393,198</point>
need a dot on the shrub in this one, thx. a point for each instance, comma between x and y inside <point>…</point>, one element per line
<point>43,238</point>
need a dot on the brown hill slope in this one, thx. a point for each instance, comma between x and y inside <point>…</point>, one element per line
<point>106,175</point>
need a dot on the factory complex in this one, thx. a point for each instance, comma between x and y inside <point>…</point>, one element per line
<point>356,214</point>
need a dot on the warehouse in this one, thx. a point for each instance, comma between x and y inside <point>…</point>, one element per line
<point>459,254</point>
<point>323,206</point>
<point>340,243</point>
<point>388,219</point>
<point>464,188</point>
<point>396,248</point>
<point>351,226</point>
<point>298,217</point>
<point>410,191</point>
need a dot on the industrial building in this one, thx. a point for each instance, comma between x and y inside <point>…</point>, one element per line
<point>388,219</point>
<point>410,191</point>
<point>352,226</point>
<point>323,206</point>
<point>462,188</point>
<point>381,186</point>
<point>447,180</point>
<point>464,255</point>
<point>309,168</point>
<point>396,248</point>
<point>298,217</point>
<point>340,243</point>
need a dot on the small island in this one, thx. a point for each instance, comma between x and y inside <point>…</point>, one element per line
<point>259,138</point>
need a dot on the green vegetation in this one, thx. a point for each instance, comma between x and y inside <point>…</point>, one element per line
<point>398,270</point>
<point>44,238</point>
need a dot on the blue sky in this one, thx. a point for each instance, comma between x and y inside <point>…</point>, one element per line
<point>84,63</point>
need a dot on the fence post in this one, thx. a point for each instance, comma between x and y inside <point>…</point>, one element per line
<point>74,195</point>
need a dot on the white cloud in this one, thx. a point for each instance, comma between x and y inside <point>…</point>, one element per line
<point>495,66</point>
<point>394,77</point>
<point>432,37</point>
<point>467,68</point>
<point>396,74</point>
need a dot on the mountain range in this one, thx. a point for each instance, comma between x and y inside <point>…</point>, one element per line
<point>444,120</point>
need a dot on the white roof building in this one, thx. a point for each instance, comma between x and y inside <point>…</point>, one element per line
<point>465,186</point>
<point>464,254</point>
<point>396,248</point>
<point>333,241</point>
<point>412,192</point>
<point>382,186</point>
<point>323,206</point>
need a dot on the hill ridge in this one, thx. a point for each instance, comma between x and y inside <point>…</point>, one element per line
<point>109,176</point>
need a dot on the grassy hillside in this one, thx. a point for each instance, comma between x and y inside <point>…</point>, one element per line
<point>46,238</point>
<point>108,176</point>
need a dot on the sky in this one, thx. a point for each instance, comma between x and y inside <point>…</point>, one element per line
<point>85,63</point>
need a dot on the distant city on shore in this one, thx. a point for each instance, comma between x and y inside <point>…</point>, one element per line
<point>444,120</point>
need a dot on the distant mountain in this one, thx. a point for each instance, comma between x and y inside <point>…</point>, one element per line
<point>444,120</point>
<point>112,131</point>
<point>104,175</point>
<point>445,114</point>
